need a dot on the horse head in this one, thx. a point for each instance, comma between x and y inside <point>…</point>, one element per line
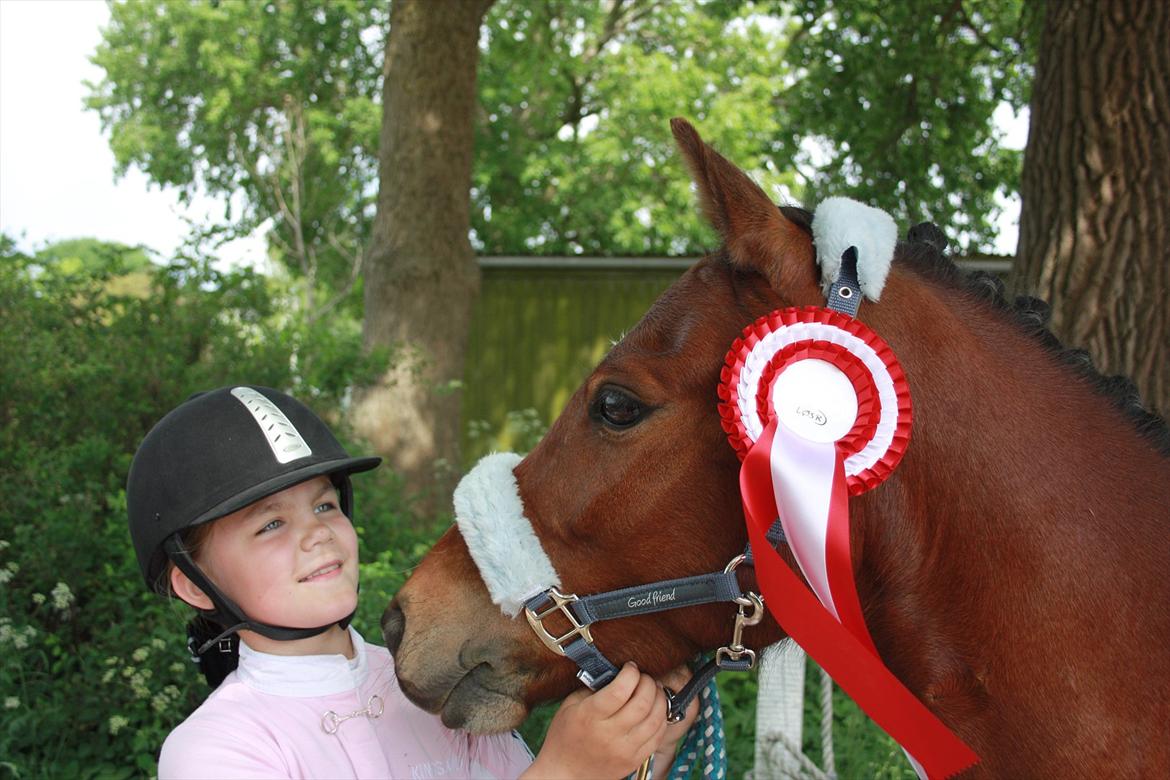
<point>995,567</point>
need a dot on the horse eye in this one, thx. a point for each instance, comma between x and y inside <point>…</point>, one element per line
<point>616,408</point>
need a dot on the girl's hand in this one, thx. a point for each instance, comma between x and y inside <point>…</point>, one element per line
<point>675,679</point>
<point>607,734</point>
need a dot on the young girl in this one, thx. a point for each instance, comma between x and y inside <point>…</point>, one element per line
<point>239,503</point>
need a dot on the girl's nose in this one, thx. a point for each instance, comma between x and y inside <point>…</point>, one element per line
<point>317,533</point>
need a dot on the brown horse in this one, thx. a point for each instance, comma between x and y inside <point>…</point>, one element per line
<point>1014,571</point>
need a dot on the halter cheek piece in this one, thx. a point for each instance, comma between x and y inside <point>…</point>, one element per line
<point>520,576</point>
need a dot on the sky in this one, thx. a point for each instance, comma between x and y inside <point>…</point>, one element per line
<point>56,169</point>
<point>57,176</point>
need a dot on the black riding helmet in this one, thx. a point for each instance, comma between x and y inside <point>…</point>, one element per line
<point>216,453</point>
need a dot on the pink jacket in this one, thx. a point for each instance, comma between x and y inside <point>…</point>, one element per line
<point>268,719</point>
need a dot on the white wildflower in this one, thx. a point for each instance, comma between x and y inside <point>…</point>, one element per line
<point>62,596</point>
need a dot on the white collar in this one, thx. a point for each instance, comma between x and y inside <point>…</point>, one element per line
<point>303,675</point>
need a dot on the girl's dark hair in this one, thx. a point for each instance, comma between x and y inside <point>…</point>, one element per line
<point>223,657</point>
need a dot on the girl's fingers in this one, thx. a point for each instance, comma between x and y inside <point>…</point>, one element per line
<point>641,703</point>
<point>654,739</point>
<point>652,718</point>
<point>613,697</point>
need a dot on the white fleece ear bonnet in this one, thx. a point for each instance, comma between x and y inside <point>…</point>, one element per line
<point>840,223</point>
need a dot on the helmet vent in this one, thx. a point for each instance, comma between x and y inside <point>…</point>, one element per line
<point>285,440</point>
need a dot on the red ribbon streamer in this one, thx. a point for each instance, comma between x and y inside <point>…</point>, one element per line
<point>846,657</point>
<point>838,562</point>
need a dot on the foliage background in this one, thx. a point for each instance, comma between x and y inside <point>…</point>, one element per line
<point>279,102</point>
<point>98,344</point>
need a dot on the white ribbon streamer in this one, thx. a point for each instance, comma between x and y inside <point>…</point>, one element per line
<point>802,480</point>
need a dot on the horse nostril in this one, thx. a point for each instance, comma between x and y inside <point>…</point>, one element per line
<point>393,626</point>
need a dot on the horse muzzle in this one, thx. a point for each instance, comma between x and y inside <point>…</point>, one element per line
<point>458,669</point>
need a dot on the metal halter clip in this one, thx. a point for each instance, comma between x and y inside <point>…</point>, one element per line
<point>670,697</point>
<point>735,650</point>
<point>749,600</point>
<point>557,643</point>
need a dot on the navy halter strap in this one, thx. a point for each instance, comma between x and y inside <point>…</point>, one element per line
<point>596,671</point>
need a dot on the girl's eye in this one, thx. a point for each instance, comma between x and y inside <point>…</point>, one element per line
<point>328,506</point>
<point>271,526</point>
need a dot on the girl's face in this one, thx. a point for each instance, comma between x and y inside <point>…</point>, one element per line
<point>289,559</point>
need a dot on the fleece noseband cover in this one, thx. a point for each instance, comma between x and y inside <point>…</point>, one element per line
<point>490,516</point>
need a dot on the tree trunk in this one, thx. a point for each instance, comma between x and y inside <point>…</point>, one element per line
<point>1095,221</point>
<point>421,278</point>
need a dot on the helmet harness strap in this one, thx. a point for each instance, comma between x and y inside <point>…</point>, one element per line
<point>226,612</point>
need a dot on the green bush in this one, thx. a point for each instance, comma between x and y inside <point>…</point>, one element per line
<point>93,353</point>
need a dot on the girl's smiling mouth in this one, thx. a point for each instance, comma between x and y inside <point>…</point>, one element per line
<point>325,572</point>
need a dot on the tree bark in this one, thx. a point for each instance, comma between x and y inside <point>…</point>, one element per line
<point>421,278</point>
<point>1095,220</point>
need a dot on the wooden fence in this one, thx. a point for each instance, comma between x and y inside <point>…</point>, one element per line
<point>542,324</point>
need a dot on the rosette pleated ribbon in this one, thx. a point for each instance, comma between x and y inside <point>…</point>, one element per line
<point>818,409</point>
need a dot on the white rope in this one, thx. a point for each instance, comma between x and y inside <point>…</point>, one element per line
<point>780,701</point>
<point>782,759</point>
<point>780,718</point>
<point>827,757</point>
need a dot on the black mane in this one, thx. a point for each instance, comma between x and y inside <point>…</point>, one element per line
<point>924,253</point>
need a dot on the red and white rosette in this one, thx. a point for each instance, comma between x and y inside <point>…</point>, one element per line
<point>800,364</point>
<point>818,409</point>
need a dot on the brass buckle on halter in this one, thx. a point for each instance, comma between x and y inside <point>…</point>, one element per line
<point>556,643</point>
<point>735,650</point>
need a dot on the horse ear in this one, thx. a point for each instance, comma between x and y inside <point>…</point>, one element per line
<point>755,232</point>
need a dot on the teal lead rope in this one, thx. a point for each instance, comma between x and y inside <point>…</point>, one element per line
<point>705,743</point>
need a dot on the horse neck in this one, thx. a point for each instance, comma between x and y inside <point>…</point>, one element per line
<point>1025,501</point>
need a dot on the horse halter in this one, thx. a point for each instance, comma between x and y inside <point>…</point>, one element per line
<point>520,576</point>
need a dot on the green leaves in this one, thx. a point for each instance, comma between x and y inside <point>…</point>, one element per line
<point>575,154</point>
<point>894,102</point>
<point>278,101</point>
<point>888,103</point>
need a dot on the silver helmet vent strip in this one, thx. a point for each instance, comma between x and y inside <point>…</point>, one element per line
<point>282,436</point>
<point>503,545</point>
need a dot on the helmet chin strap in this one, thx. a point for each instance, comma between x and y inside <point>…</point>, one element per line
<point>226,612</point>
